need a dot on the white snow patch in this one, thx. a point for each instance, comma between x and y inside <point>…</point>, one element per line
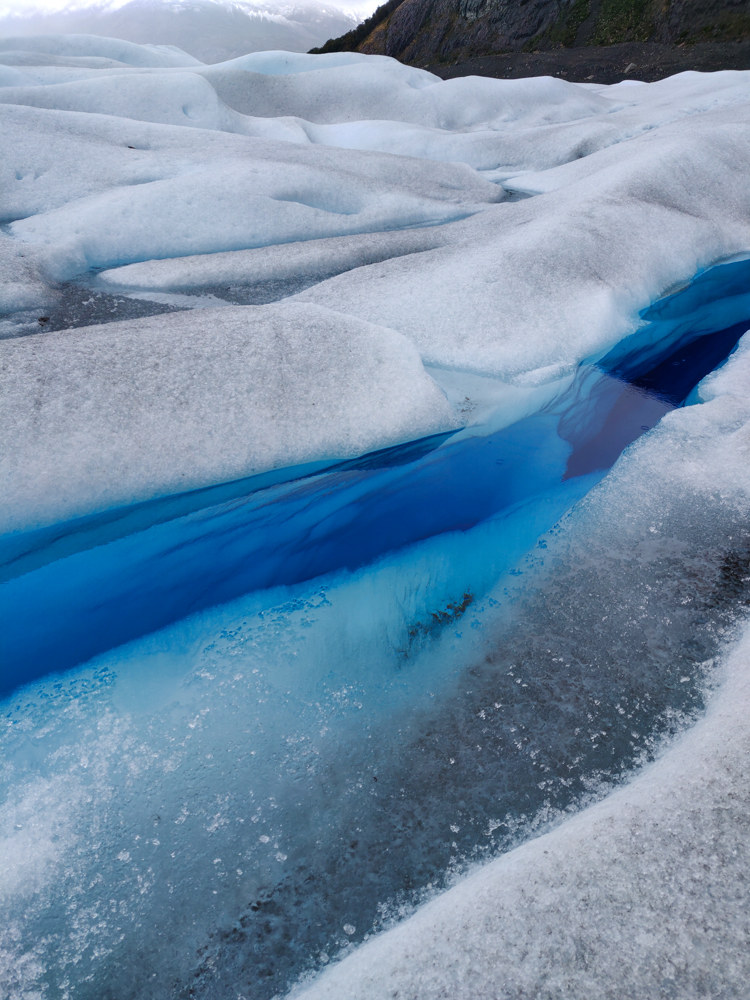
<point>108,415</point>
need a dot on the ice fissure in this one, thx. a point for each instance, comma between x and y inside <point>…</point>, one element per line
<point>491,754</point>
<point>346,516</point>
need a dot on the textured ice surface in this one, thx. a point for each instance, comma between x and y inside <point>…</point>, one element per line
<point>89,200</point>
<point>305,755</point>
<point>22,285</point>
<point>111,192</point>
<point>643,893</point>
<point>109,415</point>
<point>550,283</point>
<point>375,91</point>
<point>577,279</point>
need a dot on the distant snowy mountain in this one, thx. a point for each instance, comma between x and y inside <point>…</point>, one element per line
<point>210,30</point>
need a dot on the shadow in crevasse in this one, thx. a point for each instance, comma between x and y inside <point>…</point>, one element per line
<point>634,397</point>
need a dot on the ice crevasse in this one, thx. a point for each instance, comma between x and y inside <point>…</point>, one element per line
<point>335,625</point>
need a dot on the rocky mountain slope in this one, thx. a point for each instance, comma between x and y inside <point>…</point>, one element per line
<point>429,32</point>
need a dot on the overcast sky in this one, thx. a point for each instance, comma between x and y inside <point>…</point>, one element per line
<point>361,7</point>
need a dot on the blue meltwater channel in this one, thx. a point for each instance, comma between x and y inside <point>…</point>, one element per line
<point>77,589</point>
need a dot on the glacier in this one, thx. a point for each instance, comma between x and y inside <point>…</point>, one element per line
<point>374,556</point>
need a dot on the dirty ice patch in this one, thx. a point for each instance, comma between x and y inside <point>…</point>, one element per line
<point>311,260</point>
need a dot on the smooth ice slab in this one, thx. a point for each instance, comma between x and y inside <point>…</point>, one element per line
<point>309,260</point>
<point>109,415</point>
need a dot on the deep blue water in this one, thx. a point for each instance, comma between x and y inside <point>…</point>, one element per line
<point>78,589</point>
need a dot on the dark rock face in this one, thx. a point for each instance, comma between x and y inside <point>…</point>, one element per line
<point>647,61</point>
<point>433,32</point>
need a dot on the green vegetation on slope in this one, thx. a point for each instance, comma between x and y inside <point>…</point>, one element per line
<point>429,32</point>
<point>564,30</point>
<point>624,21</point>
<point>354,38</point>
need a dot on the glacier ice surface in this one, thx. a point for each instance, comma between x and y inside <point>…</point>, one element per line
<point>265,775</point>
<point>123,412</point>
<point>276,714</point>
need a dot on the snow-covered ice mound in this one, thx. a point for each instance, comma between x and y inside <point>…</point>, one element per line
<point>119,413</point>
<point>52,50</point>
<point>322,578</point>
<point>105,192</point>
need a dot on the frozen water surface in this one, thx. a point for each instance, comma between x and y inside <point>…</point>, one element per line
<point>375,558</point>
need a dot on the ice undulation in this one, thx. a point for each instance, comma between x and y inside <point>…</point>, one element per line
<point>208,404</point>
<point>467,713</point>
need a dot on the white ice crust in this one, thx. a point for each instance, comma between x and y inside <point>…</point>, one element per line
<point>119,413</point>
